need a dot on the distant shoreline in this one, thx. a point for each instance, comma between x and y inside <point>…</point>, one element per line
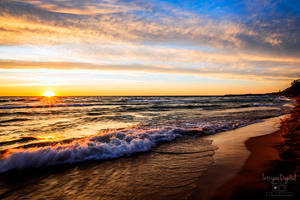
<point>209,95</point>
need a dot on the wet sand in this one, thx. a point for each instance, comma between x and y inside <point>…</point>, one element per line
<point>273,156</point>
<point>249,181</point>
<point>230,157</point>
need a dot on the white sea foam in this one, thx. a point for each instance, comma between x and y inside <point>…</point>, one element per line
<point>109,145</point>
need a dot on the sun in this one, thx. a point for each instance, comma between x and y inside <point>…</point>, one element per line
<point>48,94</point>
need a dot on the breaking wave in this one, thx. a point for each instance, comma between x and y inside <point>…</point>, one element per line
<point>159,119</point>
<point>105,145</point>
<point>100,147</point>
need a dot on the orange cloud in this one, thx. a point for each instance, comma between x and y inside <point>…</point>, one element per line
<point>137,37</point>
<point>212,72</point>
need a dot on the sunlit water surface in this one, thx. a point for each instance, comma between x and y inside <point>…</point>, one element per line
<point>61,147</point>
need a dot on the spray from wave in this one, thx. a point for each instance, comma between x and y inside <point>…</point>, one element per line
<point>105,145</point>
<point>110,145</point>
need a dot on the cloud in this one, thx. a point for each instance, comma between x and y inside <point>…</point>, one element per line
<point>91,7</point>
<point>160,69</point>
<point>154,37</point>
<point>207,60</point>
<point>53,22</point>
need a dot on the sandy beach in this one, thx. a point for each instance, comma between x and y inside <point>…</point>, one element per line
<point>229,159</point>
<point>273,156</point>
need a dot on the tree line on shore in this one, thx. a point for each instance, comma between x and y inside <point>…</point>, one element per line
<point>292,91</point>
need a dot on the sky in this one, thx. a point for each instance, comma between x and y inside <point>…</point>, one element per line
<point>149,47</point>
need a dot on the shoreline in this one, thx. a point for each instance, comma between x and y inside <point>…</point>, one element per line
<point>231,156</point>
<point>178,169</point>
<point>273,156</point>
<point>248,182</point>
<point>169,175</point>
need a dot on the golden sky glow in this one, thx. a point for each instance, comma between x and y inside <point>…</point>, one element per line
<point>152,48</point>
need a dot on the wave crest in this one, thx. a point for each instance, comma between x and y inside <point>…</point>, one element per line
<point>110,145</point>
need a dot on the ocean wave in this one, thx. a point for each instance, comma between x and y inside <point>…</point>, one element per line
<point>14,120</point>
<point>21,140</point>
<point>265,104</point>
<point>57,105</point>
<point>106,145</point>
<point>110,145</point>
<point>155,126</point>
<point>218,102</point>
